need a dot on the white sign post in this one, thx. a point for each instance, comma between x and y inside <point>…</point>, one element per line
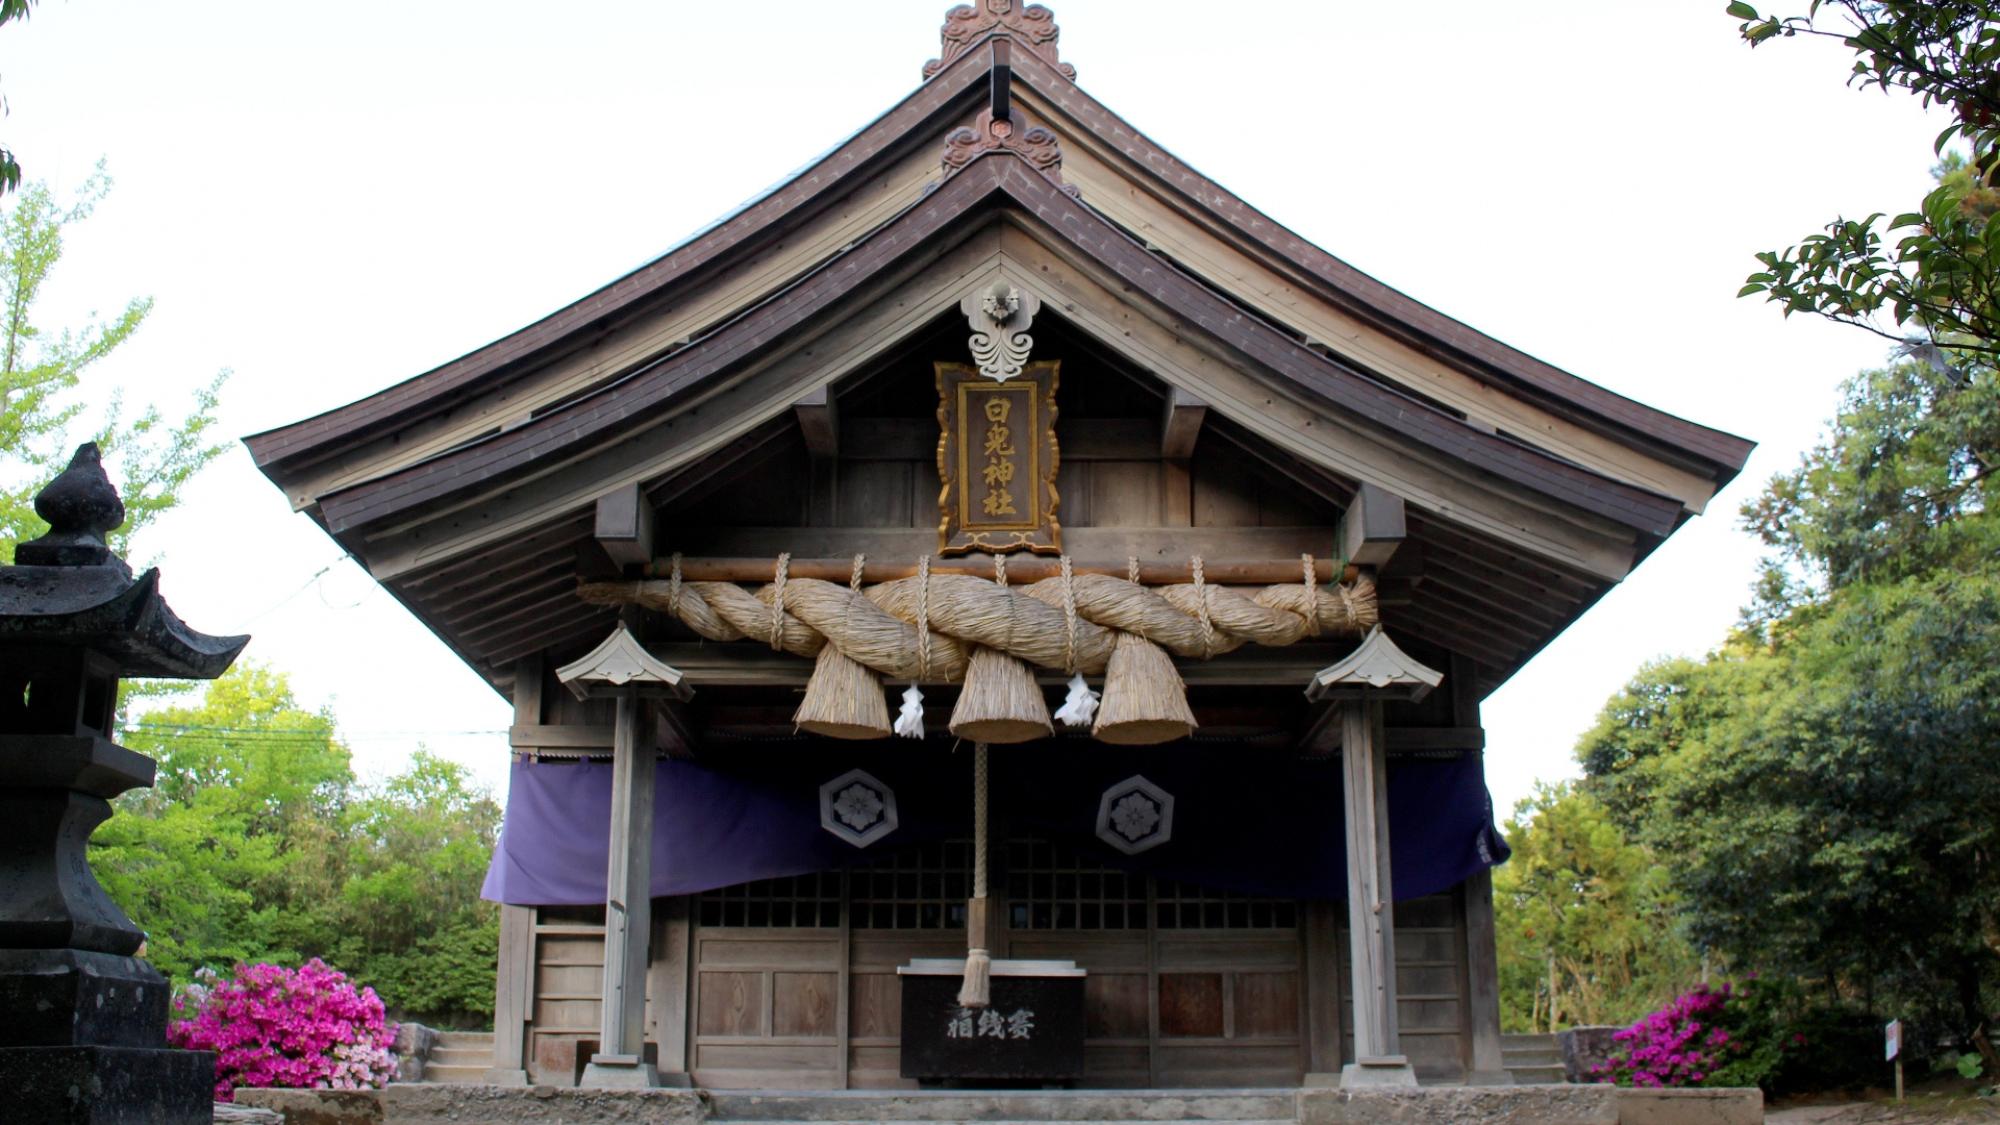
<point>1892,1048</point>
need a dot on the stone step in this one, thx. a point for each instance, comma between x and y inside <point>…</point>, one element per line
<point>448,1074</point>
<point>460,1056</point>
<point>1524,1057</point>
<point>1537,1075</point>
<point>1528,1039</point>
<point>465,1039</point>
<point>771,1107</point>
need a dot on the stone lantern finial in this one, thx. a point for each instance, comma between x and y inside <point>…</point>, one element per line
<point>82,508</point>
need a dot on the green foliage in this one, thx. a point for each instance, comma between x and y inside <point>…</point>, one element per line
<point>1584,918</point>
<point>41,370</point>
<point>1931,270</point>
<point>258,843</point>
<point>1826,793</point>
<point>1902,484</point>
<point>10,168</point>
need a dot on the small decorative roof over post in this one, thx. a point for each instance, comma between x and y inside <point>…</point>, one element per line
<point>621,662</point>
<point>87,1015</point>
<point>1376,669</point>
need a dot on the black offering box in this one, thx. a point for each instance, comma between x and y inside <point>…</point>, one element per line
<point>1031,1032</point>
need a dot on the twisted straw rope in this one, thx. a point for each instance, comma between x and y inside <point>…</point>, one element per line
<point>922,628</point>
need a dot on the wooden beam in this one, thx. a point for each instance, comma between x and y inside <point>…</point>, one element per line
<point>1404,739</point>
<point>1322,734</point>
<point>1081,439</point>
<point>672,731</point>
<point>1032,569</point>
<point>752,664</point>
<point>819,421</point>
<point>1372,527</point>
<point>551,736</point>
<point>1181,426</point>
<point>625,525</point>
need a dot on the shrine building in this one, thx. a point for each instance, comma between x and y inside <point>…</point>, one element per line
<point>997,609</point>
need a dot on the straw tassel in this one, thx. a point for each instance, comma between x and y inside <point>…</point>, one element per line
<point>977,990</point>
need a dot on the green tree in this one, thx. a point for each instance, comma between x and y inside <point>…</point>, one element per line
<point>1826,792</point>
<point>258,843</point>
<point>41,370</point>
<point>1586,919</point>
<point>1926,277</point>
<point>239,828</point>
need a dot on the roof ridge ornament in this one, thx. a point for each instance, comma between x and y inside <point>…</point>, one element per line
<point>1034,144</point>
<point>1030,25</point>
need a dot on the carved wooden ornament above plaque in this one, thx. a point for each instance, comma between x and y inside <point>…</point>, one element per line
<point>997,459</point>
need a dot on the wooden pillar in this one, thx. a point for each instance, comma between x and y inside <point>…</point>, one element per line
<point>512,1006</point>
<point>1378,1055</point>
<point>667,988</point>
<point>1484,1064</point>
<point>620,1058</point>
<point>1322,997</point>
<point>513,978</point>
<point>1482,971</point>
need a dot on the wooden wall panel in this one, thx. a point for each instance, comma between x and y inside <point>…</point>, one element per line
<point>1191,1005</point>
<point>729,1003</point>
<point>1264,1005</point>
<point>1125,494</point>
<point>803,1004</point>
<point>881,494</point>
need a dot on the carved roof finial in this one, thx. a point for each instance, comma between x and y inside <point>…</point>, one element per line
<point>81,507</point>
<point>1030,25</point>
<point>1033,144</point>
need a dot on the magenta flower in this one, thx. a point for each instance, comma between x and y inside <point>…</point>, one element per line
<point>273,1026</point>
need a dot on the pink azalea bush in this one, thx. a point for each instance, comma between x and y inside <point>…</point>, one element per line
<point>273,1026</point>
<point>1679,1045</point>
<point>1705,1037</point>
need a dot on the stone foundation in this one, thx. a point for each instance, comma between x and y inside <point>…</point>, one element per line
<point>1435,1105</point>
<point>1531,1105</point>
<point>462,1105</point>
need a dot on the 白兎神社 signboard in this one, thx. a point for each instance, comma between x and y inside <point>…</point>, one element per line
<point>998,543</point>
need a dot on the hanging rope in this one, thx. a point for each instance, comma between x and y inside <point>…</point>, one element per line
<point>977,990</point>
<point>1312,591</point>
<point>778,603</point>
<point>910,716</point>
<point>674,588</point>
<point>1201,608</point>
<point>923,628</point>
<point>1080,706</point>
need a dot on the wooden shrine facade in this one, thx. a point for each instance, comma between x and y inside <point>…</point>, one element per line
<point>997,392</point>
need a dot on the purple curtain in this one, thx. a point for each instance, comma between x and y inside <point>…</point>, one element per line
<point>1246,820</point>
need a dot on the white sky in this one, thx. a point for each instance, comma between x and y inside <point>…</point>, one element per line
<point>332,198</point>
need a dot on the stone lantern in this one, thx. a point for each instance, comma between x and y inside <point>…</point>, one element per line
<point>84,1038</point>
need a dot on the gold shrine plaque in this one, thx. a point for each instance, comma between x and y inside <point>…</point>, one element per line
<point>997,460</point>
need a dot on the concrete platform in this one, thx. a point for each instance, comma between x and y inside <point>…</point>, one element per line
<point>1431,1105</point>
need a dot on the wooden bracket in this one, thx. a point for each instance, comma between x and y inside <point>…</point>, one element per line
<point>1182,424</point>
<point>819,422</point>
<point>1372,527</point>
<point>625,526</point>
